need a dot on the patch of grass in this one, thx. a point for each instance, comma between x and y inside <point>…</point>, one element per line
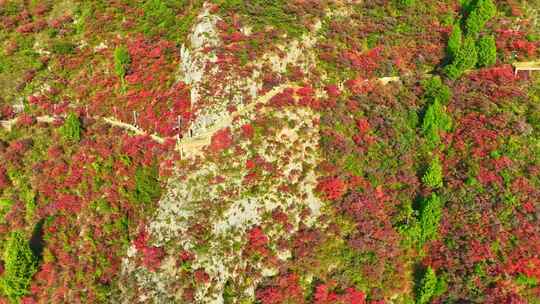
<point>63,48</point>
<point>71,130</point>
<point>147,187</point>
<point>264,13</point>
<point>170,18</point>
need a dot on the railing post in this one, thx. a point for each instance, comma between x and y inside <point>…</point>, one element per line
<point>135,118</point>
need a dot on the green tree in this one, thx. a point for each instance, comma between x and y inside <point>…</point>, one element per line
<point>435,120</point>
<point>121,61</point>
<point>435,89</point>
<point>433,177</point>
<point>467,5</point>
<point>487,51</point>
<point>479,15</point>
<point>465,59</point>
<point>454,41</point>
<point>20,266</point>
<point>427,287</point>
<point>71,130</point>
<point>430,217</point>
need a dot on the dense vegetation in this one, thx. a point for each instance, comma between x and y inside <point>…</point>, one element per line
<point>403,119</point>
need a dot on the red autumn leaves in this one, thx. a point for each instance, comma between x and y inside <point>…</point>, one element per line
<point>332,188</point>
<point>151,255</point>
<point>286,289</point>
<point>257,241</point>
<point>221,140</point>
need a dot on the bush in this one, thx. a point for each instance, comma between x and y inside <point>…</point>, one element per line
<point>71,130</point>
<point>479,15</point>
<point>121,61</point>
<point>487,51</point>
<point>465,59</point>
<point>433,177</point>
<point>430,217</point>
<point>428,285</point>
<point>454,41</point>
<point>20,265</point>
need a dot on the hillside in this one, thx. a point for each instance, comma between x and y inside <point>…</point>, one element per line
<point>269,151</point>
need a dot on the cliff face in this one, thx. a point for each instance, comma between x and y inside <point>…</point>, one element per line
<point>269,152</point>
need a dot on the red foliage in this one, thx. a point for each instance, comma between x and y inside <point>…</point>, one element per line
<point>149,92</point>
<point>248,131</point>
<point>141,239</point>
<point>152,257</point>
<point>305,241</point>
<point>363,125</point>
<point>4,181</point>
<point>332,188</point>
<point>305,91</point>
<point>6,112</point>
<point>528,266</point>
<point>25,120</point>
<point>524,46</point>
<point>500,75</point>
<point>486,176</point>
<point>221,140</point>
<point>68,202</point>
<point>201,276</point>
<point>28,300</point>
<point>250,164</point>
<point>257,241</point>
<point>283,99</point>
<point>332,90</point>
<point>186,256</point>
<point>367,62</point>
<point>284,289</point>
<point>351,296</point>
<point>307,96</point>
<point>360,85</point>
<point>515,41</point>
